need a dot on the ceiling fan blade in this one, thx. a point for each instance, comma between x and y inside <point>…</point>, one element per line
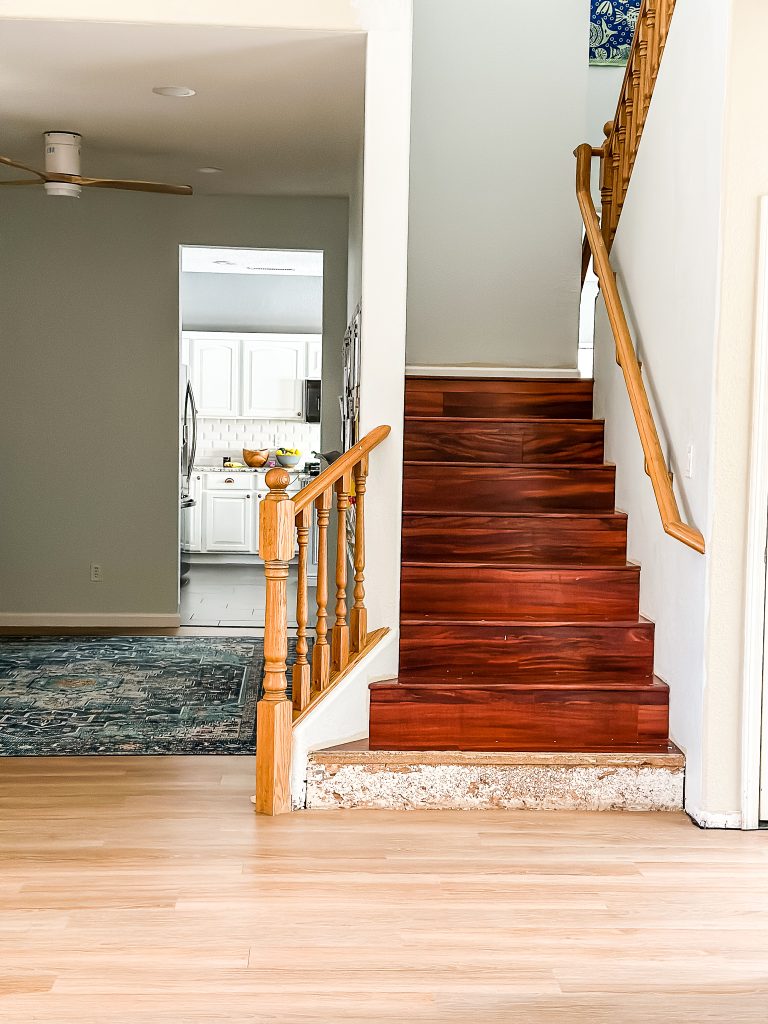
<point>22,181</point>
<point>131,186</point>
<point>22,167</point>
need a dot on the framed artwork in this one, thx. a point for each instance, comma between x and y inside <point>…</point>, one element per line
<point>611,28</point>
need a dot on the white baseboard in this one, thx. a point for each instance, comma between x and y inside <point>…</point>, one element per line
<point>473,370</point>
<point>714,819</point>
<point>94,620</point>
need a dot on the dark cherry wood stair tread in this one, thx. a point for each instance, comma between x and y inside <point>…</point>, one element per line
<point>641,620</point>
<point>533,421</point>
<point>522,514</point>
<point>511,467</point>
<point>426,691</point>
<point>521,566</point>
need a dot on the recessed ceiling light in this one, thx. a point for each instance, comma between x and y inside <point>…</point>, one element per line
<point>209,170</point>
<point>173,90</point>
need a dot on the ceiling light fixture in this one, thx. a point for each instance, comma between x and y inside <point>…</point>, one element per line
<point>209,170</point>
<point>178,91</point>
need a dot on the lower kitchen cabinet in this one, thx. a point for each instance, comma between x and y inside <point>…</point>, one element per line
<point>230,521</point>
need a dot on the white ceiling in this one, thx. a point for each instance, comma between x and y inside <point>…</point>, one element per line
<point>200,259</point>
<point>279,111</point>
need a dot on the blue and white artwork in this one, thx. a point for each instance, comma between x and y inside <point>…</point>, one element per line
<point>611,29</point>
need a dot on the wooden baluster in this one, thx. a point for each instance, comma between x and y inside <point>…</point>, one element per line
<point>340,639</point>
<point>606,182</point>
<point>302,676</point>
<point>358,617</point>
<point>274,715</point>
<point>321,653</point>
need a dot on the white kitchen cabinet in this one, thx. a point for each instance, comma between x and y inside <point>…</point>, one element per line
<point>315,359</point>
<point>192,519</point>
<point>230,521</point>
<point>274,370</point>
<point>215,374</point>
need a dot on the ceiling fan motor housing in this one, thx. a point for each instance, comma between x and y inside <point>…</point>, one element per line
<point>62,156</point>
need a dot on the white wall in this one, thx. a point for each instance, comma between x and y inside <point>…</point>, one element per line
<point>252,302</point>
<point>355,249</point>
<point>499,101</point>
<point>89,388</point>
<point>667,258</point>
<point>746,180</point>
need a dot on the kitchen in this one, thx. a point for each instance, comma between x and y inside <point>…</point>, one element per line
<point>251,365</point>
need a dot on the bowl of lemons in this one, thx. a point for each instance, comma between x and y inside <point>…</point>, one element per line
<point>288,457</point>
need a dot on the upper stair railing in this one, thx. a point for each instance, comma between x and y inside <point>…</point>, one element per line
<point>284,531</point>
<point>623,134</point>
<point>617,159</point>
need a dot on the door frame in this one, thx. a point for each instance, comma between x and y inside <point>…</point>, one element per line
<point>754,726</point>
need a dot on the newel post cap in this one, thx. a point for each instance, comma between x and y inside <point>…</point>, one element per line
<point>277,479</point>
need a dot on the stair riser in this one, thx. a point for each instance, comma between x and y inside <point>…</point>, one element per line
<point>450,718</point>
<point>525,540</point>
<point>530,595</point>
<point>570,399</point>
<point>523,655</point>
<point>453,488</point>
<point>509,443</point>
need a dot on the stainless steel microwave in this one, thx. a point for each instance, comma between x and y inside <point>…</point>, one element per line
<point>312,401</point>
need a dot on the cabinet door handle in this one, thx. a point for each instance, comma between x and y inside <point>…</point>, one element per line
<point>229,480</point>
<point>248,497</point>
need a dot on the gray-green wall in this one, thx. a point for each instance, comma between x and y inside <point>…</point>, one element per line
<point>499,104</point>
<point>89,382</point>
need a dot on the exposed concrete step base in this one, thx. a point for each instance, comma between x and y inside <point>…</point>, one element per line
<point>352,776</point>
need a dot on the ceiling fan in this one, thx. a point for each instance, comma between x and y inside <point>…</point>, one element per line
<point>62,176</point>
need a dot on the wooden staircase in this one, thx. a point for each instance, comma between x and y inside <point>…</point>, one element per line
<point>519,623</point>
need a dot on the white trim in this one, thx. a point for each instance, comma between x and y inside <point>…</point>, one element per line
<point>343,715</point>
<point>120,620</point>
<point>757,540</point>
<point>714,819</point>
<point>414,370</point>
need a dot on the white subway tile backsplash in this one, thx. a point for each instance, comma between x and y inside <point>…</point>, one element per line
<point>219,437</point>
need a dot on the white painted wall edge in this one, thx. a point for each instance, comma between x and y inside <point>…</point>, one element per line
<point>342,716</point>
<point>120,620</point>
<point>714,819</point>
<point>757,541</point>
<point>415,370</point>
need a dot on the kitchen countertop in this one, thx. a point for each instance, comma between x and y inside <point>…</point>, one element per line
<point>246,469</point>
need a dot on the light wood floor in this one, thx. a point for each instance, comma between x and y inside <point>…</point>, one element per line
<point>146,890</point>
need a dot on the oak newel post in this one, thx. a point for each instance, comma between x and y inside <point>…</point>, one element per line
<point>274,716</point>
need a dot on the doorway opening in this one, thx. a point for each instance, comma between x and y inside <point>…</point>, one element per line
<point>251,325</point>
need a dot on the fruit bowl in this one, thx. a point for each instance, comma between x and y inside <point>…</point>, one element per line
<point>288,457</point>
<point>255,458</point>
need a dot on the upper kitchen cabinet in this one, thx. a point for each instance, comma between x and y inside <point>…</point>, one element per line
<point>215,374</point>
<point>258,376</point>
<point>274,368</point>
<point>315,359</point>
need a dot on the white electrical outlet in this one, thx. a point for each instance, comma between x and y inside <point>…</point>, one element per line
<point>97,576</point>
<point>689,461</point>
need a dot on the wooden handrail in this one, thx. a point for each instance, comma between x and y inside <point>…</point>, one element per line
<point>656,466</point>
<point>285,526</point>
<point>344,464</point>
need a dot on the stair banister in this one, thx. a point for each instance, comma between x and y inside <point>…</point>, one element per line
<point>626,356</point>
<point>284,528</point>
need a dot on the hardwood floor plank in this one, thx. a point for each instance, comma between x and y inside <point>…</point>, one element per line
<point>371,916</point>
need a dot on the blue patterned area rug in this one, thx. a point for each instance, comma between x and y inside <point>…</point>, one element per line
<point>129,695</point>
